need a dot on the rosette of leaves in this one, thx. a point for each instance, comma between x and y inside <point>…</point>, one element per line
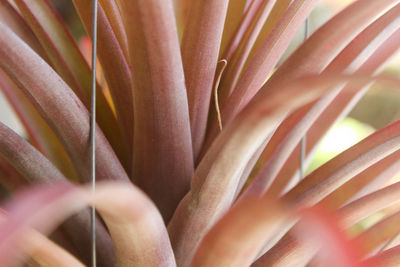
<point>199,131</point>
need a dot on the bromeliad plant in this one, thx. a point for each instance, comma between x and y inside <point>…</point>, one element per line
<point>198,140</point>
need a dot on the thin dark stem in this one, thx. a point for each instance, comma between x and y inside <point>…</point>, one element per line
<point>93,129</point>
<point>304,139</point>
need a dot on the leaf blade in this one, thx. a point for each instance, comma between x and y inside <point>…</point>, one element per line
<point>163,157</point>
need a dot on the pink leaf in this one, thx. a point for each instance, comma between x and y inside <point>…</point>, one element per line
<point>200,47</point>
<point>163,157</point>
<point>134,222</point>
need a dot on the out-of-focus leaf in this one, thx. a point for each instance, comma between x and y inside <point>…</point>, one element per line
<point>200,47</point>
<point>364,183</point>
<point>320,227</point>
<point>163,157</point>
<point>37,169</point>
<point>289,250</point>
<point>374,236</point>
<point>71,125</point>
<point>47,253</point>
<point>354,56</point>
<point>335,111</point>
<point>312,57</point>
<point>346,165</point>
<point>387,258</point>
<point>134,222</point>
<point>116,70</point>
<point>43,250</point>
<point>69,63</point>
<point>218,174</point>
<point>236,239</point>
<point>361,208</point>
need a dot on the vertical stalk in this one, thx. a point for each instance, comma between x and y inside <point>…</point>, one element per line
<point>93,129</point>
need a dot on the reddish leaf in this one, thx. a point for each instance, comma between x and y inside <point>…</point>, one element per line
<point>69,63</point>
<point>343,167</point>
<point>335,111</point>
<point>163,157</point>
<point>39,133</point>
<point>321,228</point>
<point>377,234</point>
<point>113,14</point>
<point>273,19</point>
<point>291,130</point>
<point>387,258</point>
<point>243,25</point>
<point>312,57</point>
<point>116,70</point>
<point>62,110</point>
<point>134,222</point>
<point>10,17</point>
<point>366,182</point>
<point>369,204</point>
<point>11,178</point>
<point>251,26</point>
<point>291,251</point>
<point>218,174</point>
<point>200,47</point>
<point>236,239</point>
<point>234,16</point>
<point>37,169</point>
<point>43,250</point>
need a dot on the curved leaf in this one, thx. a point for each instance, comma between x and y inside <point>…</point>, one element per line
<point>366,182</point>
<point>377,234</point>
<point>335,111</point>
<point>134,222</point>
<point>310,58</point>
<point>346,165</point>
<point>44,251</point>
<point>236,239</point>
<point>10,17</point>
<point>69,63</point>
<point>217,176</point>
<point>39,133</point>
<point>289,250</point>
<point>70,124</point>
<point>37,169</point>
<point>387,258</point>
<point>354,56</point>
